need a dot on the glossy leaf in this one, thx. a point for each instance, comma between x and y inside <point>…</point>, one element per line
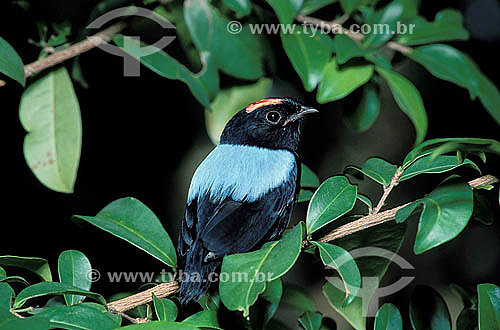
<point>339,259</point>
<point>383,22</point>
<point>131,220</point>
<point>447,26</point>
<point>447,63</point>
<point>377,169</point>
<point>74,269</point>
<point>337,82</point>
<point>436,147</point>
<point>298,299</point>
<point>161,325</point>
<point>446,212</point>
<point>439,164</point>
<point>241,7</point>
<point>310,320</point>
<point>388,318</point>
<point>203,85</point>
<point>489,95</point>
<point>237,54</point>
<point>348,6</point>
<point>428,310</point>
<point>367,111</point>
<point>308,178</point>
<point>304,196</point>
<point>230,101</point>
<point>50,112</point>
<point>346,48</point>
<point>165,309</point>
<point>409,101</point>
<point>489,306</point>
<point>386,236</point>
<point>310,6</point>
<point>52,288</point>
<point>334,198</point>
<point>6,295</point>
<point>309,55</point>
<point>285,9</point>
<point>270,262</point>
<point>267,304</point>
<point>9,321</point>
<point>467,319</point>
<point>203,319</point>
<point>10,63</point>
<point>366,200</point>
<point>38,266</point>
<point>79,316</point>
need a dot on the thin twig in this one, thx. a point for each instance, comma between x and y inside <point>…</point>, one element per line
<point>337,27</point>
<point>131,319</point>
<point>72,51</point>
<point>388,189</point>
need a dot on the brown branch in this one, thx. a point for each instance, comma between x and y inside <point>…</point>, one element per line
<point>388,189</point>
<point>72,51</point>
<point>336,27</point>
<point>171,287</point>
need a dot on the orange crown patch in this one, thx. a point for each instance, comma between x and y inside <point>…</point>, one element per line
<point>261,103</point>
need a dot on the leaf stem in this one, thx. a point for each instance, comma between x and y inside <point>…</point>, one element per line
<point>388,189</point>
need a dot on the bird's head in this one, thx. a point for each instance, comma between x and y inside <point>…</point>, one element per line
<point>269,123</point>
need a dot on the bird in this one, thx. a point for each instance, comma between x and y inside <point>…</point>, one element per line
<point>242,194</point>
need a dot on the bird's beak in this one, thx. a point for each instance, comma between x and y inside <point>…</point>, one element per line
<point>298,115</point>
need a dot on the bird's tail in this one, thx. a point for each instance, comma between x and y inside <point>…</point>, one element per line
<point>195,280</point>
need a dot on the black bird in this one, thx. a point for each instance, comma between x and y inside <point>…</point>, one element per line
<point>242,194</point>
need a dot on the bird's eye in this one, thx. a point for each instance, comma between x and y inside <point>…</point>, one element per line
<point>273,117</point>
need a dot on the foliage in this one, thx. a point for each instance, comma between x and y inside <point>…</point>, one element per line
<point>215,58</point>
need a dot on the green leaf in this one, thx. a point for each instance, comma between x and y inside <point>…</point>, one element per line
<point>297,298</point>
<point>436,147</point>
<point>446,212</point>
<point>49,111</point>
<point>309,54</point>
<point>255,269</point>
<point>230,101</point>
<point>340,260</point>
<point>74,269</point>
<point>377,169</point>
<point>439,164</point>
<point>405,212</point>
<point>165,309</point>
<point>3,274</point>
<point>161,325</point>
<point>285,9</point>
<point>38,266</point>
<point>489,96</point>
<point>348,6</point>
<point>310,6</point>
<point>10,322</point>
<point>237,54</point>
<point>447,63</point>
<point>346,48</point>
<point>338,83</point>
<point>408,99</point>
<point>79,317</point>
<point>6,294</point>
<point>468,299</point>
<point>447,26</point>
<point>386,236</point>
<point>267,304</point>
<point>428,310</point>
<point>388,318</point>
<point>311,320</point>
<point>334,198</point>
<point>203,319</point>
<point>210,302</point>
<point>366,200</point>
<point>367,111</point>
<point>308,178</point>
<point>10,63</point>
<point>53,288</point>
<point>203,85</point>
<point>131,220</point>
<point>304,196</point>
<point>383,22</point>
<point>241,7</point>
<point>467,319</point>
<point>489,306</point>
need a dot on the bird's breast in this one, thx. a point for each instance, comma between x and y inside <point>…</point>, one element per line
<point>244,173</point>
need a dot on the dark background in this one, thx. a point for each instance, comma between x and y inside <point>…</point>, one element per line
<point>143,137</point>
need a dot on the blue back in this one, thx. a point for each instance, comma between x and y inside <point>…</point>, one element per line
<point>243,172</point>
